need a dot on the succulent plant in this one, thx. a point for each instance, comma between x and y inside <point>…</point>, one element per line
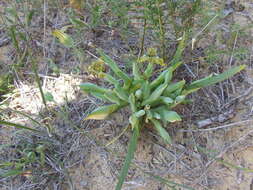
<point>150,101</point>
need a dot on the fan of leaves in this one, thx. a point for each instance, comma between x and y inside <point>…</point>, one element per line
<point>150,101</point>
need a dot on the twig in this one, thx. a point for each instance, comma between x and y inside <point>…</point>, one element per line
<point>238,98</point>
<point>116,138</point>
<point>4,41</point>
<point>219,127</point>
<point>203,29</point>
<point>41,75</point>
<point>232,54</point>
<point>220,118</point>
<point>92,54</point>
<point>189,70</point>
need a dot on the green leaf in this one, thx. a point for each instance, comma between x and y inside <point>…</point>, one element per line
<point>111,79</point>
<point>121,93</point>
<point>149,70</point>
<point>176,93</point>
<point>89,87</point>
<point>178,55</point>
<point>17,126</point>
<point>214,79</point>
<point>146,89</point>
<point>168,76</point>
<point>155,95</point>
<point>136,84</point>
<point>30,157</point>
<point>178,100</point>
<point>108,61</point>
<point>189,91</point>
<point>13,36</point>
<point>166,100</point>
<point>158,80</point>
<point>136,72</point>
<point>162,132</point>
<point>132,103</point>
<point>162,100</point>
<point>110,96</point>
<point>6,164</point>
<point>78,23</point>
<point>156,115</point>
<point>40,149</point>
<point>138,94</point>
<point>165,76</point>
<point>49,97</point>
<point>99,96</point>
<point>169,116</point>
<point>139,113</point>
<point>176,65</point>
<point>10,173</point>
<point>102,112</point>
<point>133,120</point>
<point>130,155</point>
<point>29,16</point>
<point>173,87</point>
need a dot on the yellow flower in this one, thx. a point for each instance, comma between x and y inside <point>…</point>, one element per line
<point>143,59</point>
<point>152,52</point>
<point>151,57</point>
<point>97,68</point>
<point>159,61</point>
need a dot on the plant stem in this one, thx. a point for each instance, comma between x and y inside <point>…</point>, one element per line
<point>37,79</point>
<point>162,32</point>
<point>143,37</point>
